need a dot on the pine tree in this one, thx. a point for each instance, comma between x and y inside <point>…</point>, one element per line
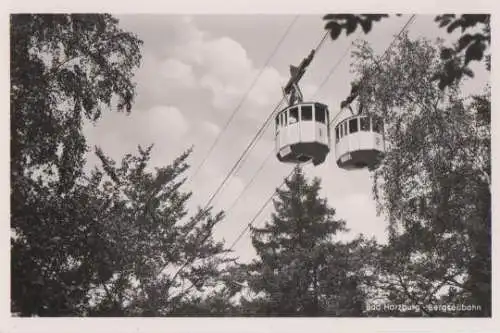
<point>301,270</point>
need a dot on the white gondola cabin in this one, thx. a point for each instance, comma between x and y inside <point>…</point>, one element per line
<point>359,142</point>
<point>302,133</point>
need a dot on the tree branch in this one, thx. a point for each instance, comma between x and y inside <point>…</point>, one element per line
<point>407,292</point>
<point>48,76</point>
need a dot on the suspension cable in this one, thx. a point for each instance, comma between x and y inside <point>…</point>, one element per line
<point>256,137</point>
<point>335,117</point>
<point>287,31</point>
<point>249,225</point>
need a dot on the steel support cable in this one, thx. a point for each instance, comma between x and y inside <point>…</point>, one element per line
<point>331,122</point>
<point>259,135</point>
<point>261,209</point>
<point>255,139</point>
<point>202,241</point>
<point>334,68</point>
<point>249,225</point>
<point>377,65</point>
<point>269,199</point>
<point>231,117</point>
<point>250,182</point>
<point>248,148</point>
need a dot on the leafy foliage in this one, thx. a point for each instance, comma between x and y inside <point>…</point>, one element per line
<point>157,255</point>
<point>301,270</point>
<point>434,182</point>
<point>63,68</point>
<point>117,241</point>
<point>349,22</point>
<point>470,46</point>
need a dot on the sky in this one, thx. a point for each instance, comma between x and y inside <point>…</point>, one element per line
<point>197,70</point>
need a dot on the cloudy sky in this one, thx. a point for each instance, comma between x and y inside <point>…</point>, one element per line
<point>196,70</point>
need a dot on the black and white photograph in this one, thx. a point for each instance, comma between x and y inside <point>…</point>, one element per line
<point>326,165</point>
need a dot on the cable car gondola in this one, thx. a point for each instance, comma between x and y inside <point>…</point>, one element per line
<point>359,142</point>
<point>302,133</point>
<point>302,128</point>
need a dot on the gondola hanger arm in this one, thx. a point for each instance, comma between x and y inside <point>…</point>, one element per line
<point>292,88</point>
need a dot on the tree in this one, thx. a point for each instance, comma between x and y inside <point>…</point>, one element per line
<point>433,183</point>
<point>470,46</point>
<point>64,68</point>
<point>301,270</point>
<point>114,242</point>
<point>150,256</point>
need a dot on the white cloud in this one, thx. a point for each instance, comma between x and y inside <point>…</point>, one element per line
<point>268,89</point>
<point>210,128</point>
<point>167,120</point>
<point>226,60</point>
<point>177,53</point>
<point>178,72</point>
<point>187,37</point>
<point>224,96</point>
<point>119,134</point>
<point>226,70</point>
